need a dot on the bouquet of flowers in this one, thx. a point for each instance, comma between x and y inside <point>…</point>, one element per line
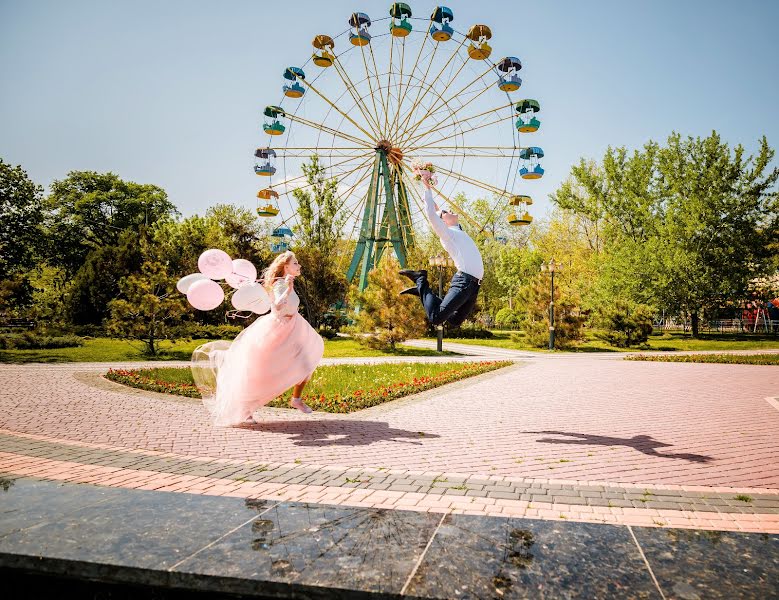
<point>424,170</point>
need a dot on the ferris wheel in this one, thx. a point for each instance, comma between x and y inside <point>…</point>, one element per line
<point>383,93</point>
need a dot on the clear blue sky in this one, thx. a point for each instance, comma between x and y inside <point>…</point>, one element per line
<point>170,92</point>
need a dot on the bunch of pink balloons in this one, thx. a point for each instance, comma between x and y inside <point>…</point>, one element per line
<point>204,293</point>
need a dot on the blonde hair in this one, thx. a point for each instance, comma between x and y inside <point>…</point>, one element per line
<point>276,269</point>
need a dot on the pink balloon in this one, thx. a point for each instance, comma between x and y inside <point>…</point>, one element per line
<point>215,264</point>
<point>205,294</point>
<point>243,272</point>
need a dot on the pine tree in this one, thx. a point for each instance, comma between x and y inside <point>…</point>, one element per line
<point>384,317</point>
<point>148,306</point>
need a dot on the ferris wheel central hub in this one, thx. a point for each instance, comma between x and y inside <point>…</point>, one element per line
<point>394,154</point>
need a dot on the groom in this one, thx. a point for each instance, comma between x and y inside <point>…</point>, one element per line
<point>460,300</point>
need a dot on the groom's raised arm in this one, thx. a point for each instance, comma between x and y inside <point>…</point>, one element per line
<point>431,210</point>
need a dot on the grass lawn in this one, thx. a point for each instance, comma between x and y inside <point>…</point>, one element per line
<point>731,359</point>
<point>661,341</point>
<point>333,388</point>
<point>112,350</point>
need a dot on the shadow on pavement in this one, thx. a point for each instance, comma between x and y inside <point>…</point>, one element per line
<point>341,433</point>
<point>643,443</point>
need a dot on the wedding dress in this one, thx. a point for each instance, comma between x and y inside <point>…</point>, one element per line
<point>276,352</point>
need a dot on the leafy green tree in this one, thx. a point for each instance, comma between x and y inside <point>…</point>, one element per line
<point>318,243</point>
<point>385,318</point>
<point>685,226</point>
<point>90,210</point>
<point>625,323</point>
<point>96,283</point>
<point>21,235</point>
<point>148,307</point>
<point>568,318</point>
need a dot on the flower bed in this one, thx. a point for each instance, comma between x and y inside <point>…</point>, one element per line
<point>731,359</point>
<point>335,402</point>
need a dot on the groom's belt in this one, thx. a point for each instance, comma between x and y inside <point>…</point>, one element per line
<point>469,277</point>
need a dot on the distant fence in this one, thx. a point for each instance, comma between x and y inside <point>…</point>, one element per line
<point>763,326</point>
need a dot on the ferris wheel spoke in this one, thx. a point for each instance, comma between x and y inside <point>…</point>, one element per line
<point>379,87</point>
<point>402,97</point>
<point>389,85</point>
<point>435,106</point>
<point>369,78</point>
<point>475,182</point>
<point>326,99</point>
<point>369,118</point>
<point>400,83</point>
<point>330,130</point>
<point>420,97</point>
<point>440,126</point>
<point>451,115</point>
<point>347,171</point>
<point>448,137</point>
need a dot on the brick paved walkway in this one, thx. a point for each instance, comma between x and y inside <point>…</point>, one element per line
<point>582,438</point>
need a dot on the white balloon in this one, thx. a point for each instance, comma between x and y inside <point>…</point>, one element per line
<point>251,296</point>
<point>183,284</point>
<point>243,271</point>
<point>215,264</point>
<point>205,294</point>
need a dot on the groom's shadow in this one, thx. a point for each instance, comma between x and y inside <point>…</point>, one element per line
<point>645,444</point>
<point>341,433</point>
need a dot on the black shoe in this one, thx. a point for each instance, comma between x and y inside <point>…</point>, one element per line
<point>412,291</point>
<point>413,275</point>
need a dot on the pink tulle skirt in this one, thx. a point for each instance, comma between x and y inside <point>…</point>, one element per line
<point>267,358</point>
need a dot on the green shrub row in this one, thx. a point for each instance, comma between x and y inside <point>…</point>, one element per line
<point>36,341</point>
<point>731,359</point>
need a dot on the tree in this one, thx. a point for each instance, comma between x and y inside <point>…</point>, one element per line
<point>685,226</point>
<point>384,316</point>
<point>568,318</point>
<point>320,210</point>
<point>318,244</point>
<point>21,215</point>
<point>149,306</point>
<point>90,210</point>
<point>96,283</point>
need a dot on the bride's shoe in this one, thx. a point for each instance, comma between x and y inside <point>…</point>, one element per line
<point>300,405</point>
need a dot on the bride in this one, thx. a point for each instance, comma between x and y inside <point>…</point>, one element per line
<point>278,351</point>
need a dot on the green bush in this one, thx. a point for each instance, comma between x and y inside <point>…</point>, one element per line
<point>508,319</point>
<point>35,341</point>
<point>198,331</point>
<point>625,323</point>
<point>327,332</point>
<point>468,331</point>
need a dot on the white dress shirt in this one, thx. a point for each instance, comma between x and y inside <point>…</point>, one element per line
<point>456,242</point>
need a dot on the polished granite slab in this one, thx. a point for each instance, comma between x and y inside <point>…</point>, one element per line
<point>698,565</point>
<point>478,557</point>
<point>135,543</point>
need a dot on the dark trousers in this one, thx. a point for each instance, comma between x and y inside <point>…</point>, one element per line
<point>458,303</point>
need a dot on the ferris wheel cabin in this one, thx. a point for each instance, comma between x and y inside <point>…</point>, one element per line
<point>295,90</point>
<point>440,30</point>
<point>360,22</point>
<point>325,57</point>
<point>531,168</point>
<point>267,203</point>
<point>264,163</point>
<point>479,49</point>
<point>401,12</point>
<point>272,125</point>
<point>527,121</point>
<point>509,81</point>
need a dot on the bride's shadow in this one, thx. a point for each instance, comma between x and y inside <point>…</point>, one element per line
<point>341,433</point>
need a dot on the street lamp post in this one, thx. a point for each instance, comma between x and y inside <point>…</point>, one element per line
<point>551,267</point>
<point>441,261</point>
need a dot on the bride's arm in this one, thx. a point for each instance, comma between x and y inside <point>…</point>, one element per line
<point>281,292</point>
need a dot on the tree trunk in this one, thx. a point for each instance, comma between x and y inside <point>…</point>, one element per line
<point>695,324</point>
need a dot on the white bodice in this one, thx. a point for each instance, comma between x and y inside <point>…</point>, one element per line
<point>292,302</point>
